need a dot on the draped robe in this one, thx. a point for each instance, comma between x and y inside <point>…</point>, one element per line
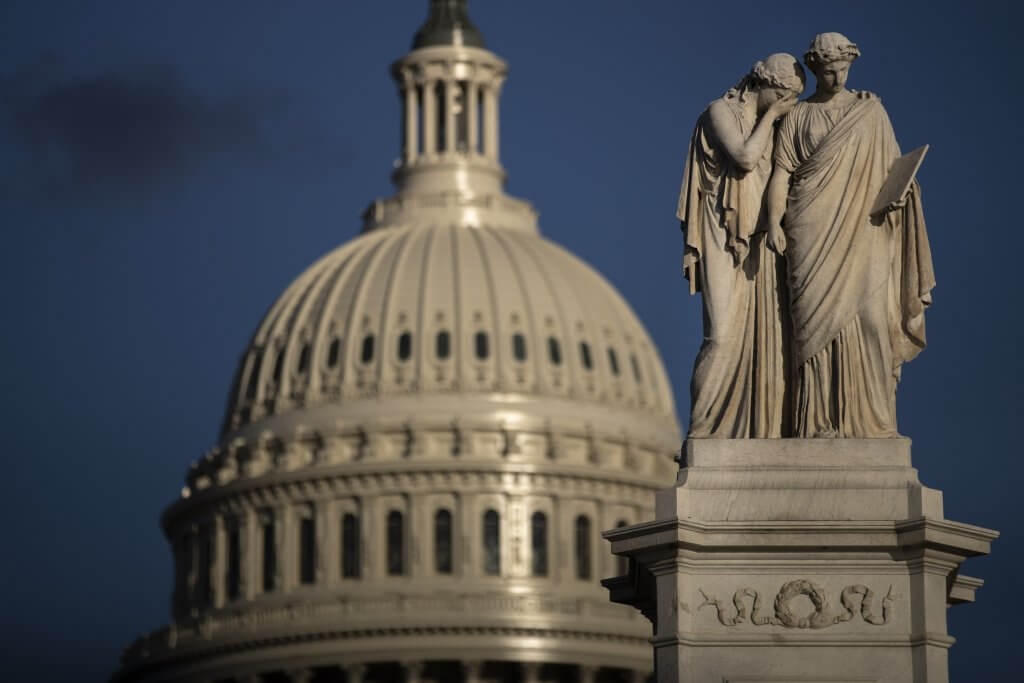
<point>858,285</point>
<point>739,378</point>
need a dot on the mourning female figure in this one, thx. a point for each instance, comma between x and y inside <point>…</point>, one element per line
<point>739,378</point>
<point>858,283</point>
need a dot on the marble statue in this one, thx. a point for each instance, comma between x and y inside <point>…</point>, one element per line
<point>858,283</point>
<point>740,375</point>
<point>813,298</point>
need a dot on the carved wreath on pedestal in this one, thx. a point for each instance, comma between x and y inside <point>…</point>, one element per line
<point>824,614</point>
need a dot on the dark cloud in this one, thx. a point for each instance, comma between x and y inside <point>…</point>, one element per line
<point>134,130</point>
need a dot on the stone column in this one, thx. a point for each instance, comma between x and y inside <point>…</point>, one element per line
<point>300,675</point>
<point>429,119</point>
<point>411,121</point>
<point>472,95</point>
<point>451,133</point>
<point>531,672</point>
<point>471,671</point>
<point>588,674</point>
<point>491,121</point>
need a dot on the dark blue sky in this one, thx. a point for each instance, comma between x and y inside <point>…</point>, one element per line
<point>166,168</point>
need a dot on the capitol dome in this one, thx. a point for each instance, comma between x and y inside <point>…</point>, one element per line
<point>425,438</point>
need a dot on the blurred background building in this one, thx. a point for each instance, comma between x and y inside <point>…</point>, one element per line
<point>426,435</point>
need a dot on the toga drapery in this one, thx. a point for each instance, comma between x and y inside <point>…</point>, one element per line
<point>739,378</point>
<point>858,285</point>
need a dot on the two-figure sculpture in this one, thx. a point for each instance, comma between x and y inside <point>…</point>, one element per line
<point>812,298</point>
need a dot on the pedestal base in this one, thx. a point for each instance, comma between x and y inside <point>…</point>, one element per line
<point>810,560</point>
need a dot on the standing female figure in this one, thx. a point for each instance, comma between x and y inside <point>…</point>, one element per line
<point>858,283</point>
<point>739,378</point>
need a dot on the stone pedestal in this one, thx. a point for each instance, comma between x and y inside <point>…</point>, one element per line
<point>785,560</point>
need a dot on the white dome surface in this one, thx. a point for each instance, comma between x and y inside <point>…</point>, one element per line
<point>447,311</point>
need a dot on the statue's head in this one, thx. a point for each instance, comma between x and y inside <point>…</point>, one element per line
<point>775,77</point>
<point>829,58</point>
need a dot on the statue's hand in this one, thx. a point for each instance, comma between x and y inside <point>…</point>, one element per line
<point>866,95</point>
<point>896,206</point>
<point>777,240</point>
<point>781,107</point>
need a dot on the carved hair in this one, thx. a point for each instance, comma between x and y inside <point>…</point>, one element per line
<point>830,47</point>
<point>780,70</point>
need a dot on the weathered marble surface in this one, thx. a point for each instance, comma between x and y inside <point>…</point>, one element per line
<point>798,560</point>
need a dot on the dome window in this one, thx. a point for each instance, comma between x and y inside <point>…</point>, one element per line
<point>583,547</point>
<point>519,346</point>
<point>234,569</point>
<point>254,377</point>
<point>307,548</point>
<point>396,543</point>
<point>622,562</point>
<point>332,352</point>
<point>405,346</point>
<point>443,345</point>
<point>279,366</point>
<point>636,368</point>
<point>367,352</point>
<point>613,361</point>
<point>204,585</point>
<point>443,542</point>
<point>269,553</point>
<point>539,544</point>
<point>350,562</point>
<point>585,358</point>
<point>304,358</point>
<point>554,351</point>
<point>481,346</point>
<point>492,544</point>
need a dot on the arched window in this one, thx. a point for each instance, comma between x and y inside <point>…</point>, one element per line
<point>588,362</point>
<point>582,547</point>
<point>204,586</point>
<point>613,361</point>
<point>443,542</point>
<point>254,377</point>
<point>307,547</point>
<point>396,543</point>
<point>519,346</point>
<point>332,352</point>
<point>622,562</point>
<point>443,345</point>
<point>405,346</point>
<point>367,351</point>
<point>233,576</point>
<point>304,358</point>
<point>636,368</point>
<point>350,558</point>
<point>480,346</point>
<point>539,544</point>
<point>269,552</point>
<point>554,351</point>
<point>492,544</point>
